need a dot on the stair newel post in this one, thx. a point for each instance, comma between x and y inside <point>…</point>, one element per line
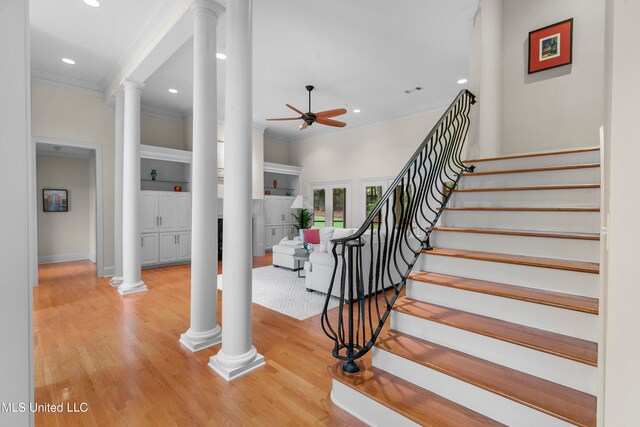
<point>351,366</point>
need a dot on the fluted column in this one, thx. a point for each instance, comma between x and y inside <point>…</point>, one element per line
<point>116,280</point>
<point>131,250</point>
<point>238,355</point>
<point>204,330</point>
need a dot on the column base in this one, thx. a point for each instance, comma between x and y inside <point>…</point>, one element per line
<point>125,289</point>
<point>116,281</point>
<point>196,341</point>
<point>231,368</point>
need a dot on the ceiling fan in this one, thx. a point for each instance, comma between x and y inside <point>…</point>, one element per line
<point>323,117</point>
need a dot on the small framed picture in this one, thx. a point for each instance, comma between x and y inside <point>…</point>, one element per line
<point>551,46</point>
<point>55,200</point>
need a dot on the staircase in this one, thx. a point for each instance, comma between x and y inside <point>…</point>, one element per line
<point>498,322</point>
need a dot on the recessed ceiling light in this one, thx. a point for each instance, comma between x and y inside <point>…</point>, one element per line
<point>462,81</point>
<point>68,61</point>
<point>173,90</point>
<point>356,110</point>
<point>221,55</point>
<point>92,3</point>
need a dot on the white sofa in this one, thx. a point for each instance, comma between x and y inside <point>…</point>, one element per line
<point>319,268</point>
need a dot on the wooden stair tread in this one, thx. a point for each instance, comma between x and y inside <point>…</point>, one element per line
<point>407,399</point>
<point>541,154</point>
<point>550,234</point>
<point>562,402</point>
<point>523,209</point>
<point>571,348</point>
<point>539,169</point>
<point>558,264</point>
<point>538,296</point>
<point>530,188</point>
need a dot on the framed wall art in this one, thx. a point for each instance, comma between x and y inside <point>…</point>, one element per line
<point>55,200</point>
<point>551,46</point>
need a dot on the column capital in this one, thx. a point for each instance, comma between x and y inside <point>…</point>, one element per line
<point>129,84</point>
<point>119,93</point>
<point>208,7</point>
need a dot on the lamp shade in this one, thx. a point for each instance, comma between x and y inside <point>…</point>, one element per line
<point>301,202</point>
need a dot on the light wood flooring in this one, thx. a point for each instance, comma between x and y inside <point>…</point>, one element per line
<point>121,356</point>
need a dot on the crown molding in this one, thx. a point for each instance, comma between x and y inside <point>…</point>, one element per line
<point>276,137</point>
<point>158,112</point>
<point>48,77</point>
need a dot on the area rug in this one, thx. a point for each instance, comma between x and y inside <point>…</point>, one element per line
<point>281,290</point>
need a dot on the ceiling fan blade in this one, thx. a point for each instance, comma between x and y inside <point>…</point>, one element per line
<point>331,113</point>
<point>288,118</point>
<point>329,122</point>
<point>296,110</point>
<point>304,126</point>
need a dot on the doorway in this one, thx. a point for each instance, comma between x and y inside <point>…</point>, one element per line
<point>66,204</point>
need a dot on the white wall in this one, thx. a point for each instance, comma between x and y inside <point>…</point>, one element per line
<point>63,113</point>
<point>557,108</point>
<point>377,150</point>
<point>64,236</point>
<point>277,151</point>
<point>622,370</point>
<point>16,355</point>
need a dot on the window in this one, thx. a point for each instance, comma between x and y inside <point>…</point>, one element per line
<point>330,203</point>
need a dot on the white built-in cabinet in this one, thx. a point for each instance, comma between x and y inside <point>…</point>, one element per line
<point>165,227</point>
<point>278,219</point>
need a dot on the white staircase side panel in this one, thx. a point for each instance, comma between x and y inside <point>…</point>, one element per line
<point>477,399</point>
<point>547,366</point>
<point>545,247</point>
<point>366,409</point>
<point>576,222</point>
<point>554,319</point>
<point>564,281</point>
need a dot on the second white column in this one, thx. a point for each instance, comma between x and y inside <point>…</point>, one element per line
<point>204,330</point>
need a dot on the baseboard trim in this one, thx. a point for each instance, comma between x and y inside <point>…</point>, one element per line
<point>108,271</point>
<point>50,259</point>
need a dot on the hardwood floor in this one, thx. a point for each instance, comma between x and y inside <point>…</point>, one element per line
<point>121,356</point>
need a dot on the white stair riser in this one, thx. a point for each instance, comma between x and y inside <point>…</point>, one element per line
<point>559,320</point>
<point>533,362</point>
<point>577,198</point>
<point>365,408</point>
<point>578,222</point>
<point>539,161</point>
<point>546,247</point>
<point>482,401</point>
<point>569,282</point>
<point>525,179</point>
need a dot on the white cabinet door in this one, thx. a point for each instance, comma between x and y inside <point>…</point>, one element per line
<point>273,235</point>
<point>183,246</point>
<point>286,210</point>
<point>149,243</point>
<point>167,210</point>
<point>183,211</point>
<point>272,211</point>
<point>149,211</point>
<point>168,243</point>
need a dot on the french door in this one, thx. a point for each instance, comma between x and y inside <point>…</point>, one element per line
<point>330,203</point>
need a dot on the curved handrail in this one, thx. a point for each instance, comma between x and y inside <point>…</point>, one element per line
<point>399,227</point>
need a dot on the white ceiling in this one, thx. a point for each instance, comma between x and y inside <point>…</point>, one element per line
<point>46,149</point>
<point>358,53</point>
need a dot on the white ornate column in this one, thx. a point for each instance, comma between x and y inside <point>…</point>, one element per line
<point>204,330</point>
<point>116,280</point>
<point>237,356</point>
<point>131,250</point>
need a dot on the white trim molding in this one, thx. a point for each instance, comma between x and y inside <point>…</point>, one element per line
<point>167,154</point>
<point>51,259</point>
<point>282,168</point>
